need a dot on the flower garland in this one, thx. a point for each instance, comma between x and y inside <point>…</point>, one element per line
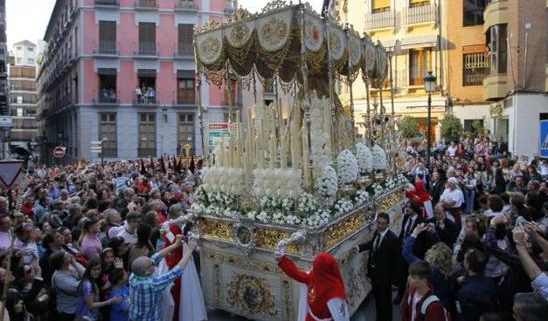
<point>379,158</point>
<point>364,158</point>
<point>347,167</point>
<point>277,183</point>
<point>327,183</point>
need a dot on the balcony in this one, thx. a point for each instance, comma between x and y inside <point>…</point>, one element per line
<point>147,49</point>
<point>146,5</point>
<point>380,20</point>
<point>420,15</point>
<point>495,86</point>
<point>149,98</point>
<point>186,5</point>
<point>107,3</point>
<point>106,47</point>
<point>107,97</point>
<point>185,50</point>
<point>496,13</point>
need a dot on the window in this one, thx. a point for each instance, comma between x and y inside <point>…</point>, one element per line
<point>147,38</point>
<point>185,87</point>
<point>30,61</point>
<point>30,49</point>
<point>19,60</point>
<point>185,47</point>
<point>108,133</point>
<point>473,12</point>
<point>475,68</point>
<point>107,37</point>
<point>107,85</point>
<point>147,135</point>
<point>419,65</point>
<point>185,131</point>
<point>19,48</point>
<point>380,6</point>
<point>146,82</point>
<point>418,3</point>
<point>496,39</point>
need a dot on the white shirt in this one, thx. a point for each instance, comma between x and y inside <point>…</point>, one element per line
<point>129,238</point>
<point>416,298</point>
<point>452,151</point>
<point>453,195</point>
<point>30,258</point>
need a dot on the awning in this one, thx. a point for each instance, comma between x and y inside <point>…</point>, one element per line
<point>146,72</point>
<point>420,42</point>
<point>186,74</point>
<point>107,71</point>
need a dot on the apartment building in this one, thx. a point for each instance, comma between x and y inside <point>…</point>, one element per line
<point>5,119</point>
<point>23,96</point>
<point>516,34</point>
<point>411,31</point>
<point>123,72</point>
<point>467,62</point>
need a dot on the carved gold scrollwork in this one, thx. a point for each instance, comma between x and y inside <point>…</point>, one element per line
<point>251,294</point>
<point>390,201</point>
<point>341,230</point>
<point>269,238</point>
<point>213,229</point>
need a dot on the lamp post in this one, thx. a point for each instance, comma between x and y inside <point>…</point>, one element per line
<point>429,87</point>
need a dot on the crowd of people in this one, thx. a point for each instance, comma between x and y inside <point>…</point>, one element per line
<point>82,242</point>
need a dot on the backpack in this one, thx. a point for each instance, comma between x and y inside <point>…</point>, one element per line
<point>426,303</point>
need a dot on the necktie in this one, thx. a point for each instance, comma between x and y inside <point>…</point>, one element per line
<point>377,242</point>
<point>408,227</point>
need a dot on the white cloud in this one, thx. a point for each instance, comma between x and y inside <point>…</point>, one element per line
<point>27,19</point>
<point>256,5</point>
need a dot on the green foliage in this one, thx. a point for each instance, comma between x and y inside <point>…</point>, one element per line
<point>409,127</point>
<point>451,128</point>
<point>477,127</point>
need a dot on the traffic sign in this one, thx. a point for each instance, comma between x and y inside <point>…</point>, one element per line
<point>59,152</point>
<point>95,146</point>
<point>216,131</point>
<point>9,171</point>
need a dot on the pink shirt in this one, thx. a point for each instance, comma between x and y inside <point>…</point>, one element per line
<point>5,242</point>
<point>91,247</point>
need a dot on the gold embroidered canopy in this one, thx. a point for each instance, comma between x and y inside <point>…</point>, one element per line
<point>271,43</point>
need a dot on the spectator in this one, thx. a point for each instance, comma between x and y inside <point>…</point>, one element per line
<point>65,282</point>
<point>90,244</point>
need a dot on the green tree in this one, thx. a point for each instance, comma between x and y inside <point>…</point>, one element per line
<point>409,127</point>
<point>451,128</point>
<point>477,127</point>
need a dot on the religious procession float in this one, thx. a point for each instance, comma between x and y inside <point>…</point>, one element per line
<point>306,176</point>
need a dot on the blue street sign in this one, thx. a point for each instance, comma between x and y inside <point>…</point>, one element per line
<point>543,148</point>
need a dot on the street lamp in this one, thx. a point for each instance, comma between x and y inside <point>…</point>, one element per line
<point>429,87</point>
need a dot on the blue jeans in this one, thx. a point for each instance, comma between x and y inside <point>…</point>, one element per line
<point>469,196</point>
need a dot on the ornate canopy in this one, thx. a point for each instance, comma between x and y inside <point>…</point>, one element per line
<point>270,43</point>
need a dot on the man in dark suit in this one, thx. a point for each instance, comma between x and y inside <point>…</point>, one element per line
<point>411,219</point>
<point>436,187</point>
<point>384,253</point>
<point>445,228</point>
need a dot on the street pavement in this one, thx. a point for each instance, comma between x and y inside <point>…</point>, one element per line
<point>365,312</point>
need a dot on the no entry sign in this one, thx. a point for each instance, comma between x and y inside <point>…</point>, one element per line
<point>59,152</point>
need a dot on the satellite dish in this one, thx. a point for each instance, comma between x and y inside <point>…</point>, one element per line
<point>397,47</point>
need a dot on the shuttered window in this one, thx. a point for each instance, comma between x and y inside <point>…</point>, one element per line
<point>147,135</point>
<point>147,38</point>
<point>185,47</point>
<point>107,37</point>
<point>417,3</point>
<point>475,68</point>
<point>108,133</point>
<point>419,63</point>
<point>380,5</point>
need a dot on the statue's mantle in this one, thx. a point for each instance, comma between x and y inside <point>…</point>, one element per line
<point>239,274</point>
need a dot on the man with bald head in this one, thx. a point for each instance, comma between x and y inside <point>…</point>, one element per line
<point>145,288</point>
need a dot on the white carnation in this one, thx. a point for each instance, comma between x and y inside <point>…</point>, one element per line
<point>347,167</point>
<point>364,158</point>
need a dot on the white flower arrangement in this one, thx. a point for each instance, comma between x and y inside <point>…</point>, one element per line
<point>390,183</point>
<point>224,179</point>
<point>361,198</point>
<point>343,205</point>
<point>277,183</point>
<point>307,204</point>
<point>347,167</point>
<point>327,183</point>
<point>379,158</point>
<point>401,179</point>
<point>364,158</point>
<point>318,219</point>
<point>377,189</point>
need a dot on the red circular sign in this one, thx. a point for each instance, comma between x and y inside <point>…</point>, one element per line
<point>59,152</point>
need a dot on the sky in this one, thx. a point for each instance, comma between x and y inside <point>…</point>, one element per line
<point>28,19</point>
